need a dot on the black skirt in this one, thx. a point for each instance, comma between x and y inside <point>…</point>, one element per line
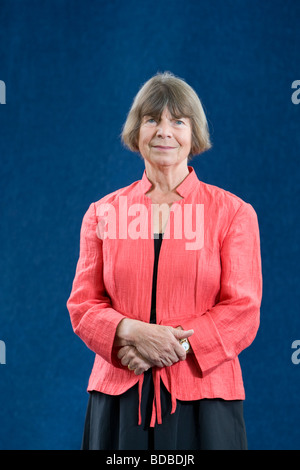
<point>208,424</point>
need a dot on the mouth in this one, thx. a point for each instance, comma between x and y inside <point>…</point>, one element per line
<point>162,147</point>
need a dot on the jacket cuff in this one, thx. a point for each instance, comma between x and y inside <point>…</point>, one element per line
<point>98,332</point>
<point>206,343</point>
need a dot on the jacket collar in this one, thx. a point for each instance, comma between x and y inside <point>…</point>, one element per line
<point>184,188</point>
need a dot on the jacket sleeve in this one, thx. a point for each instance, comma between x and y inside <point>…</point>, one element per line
<point>92,316</point>
<point>230,326</point>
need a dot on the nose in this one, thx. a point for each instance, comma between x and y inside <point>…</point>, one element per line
<point>164,129</point>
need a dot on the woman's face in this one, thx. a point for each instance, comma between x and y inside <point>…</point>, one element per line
<point>167,141</point>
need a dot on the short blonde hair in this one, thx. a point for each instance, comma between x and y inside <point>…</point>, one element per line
<point>161,91</point>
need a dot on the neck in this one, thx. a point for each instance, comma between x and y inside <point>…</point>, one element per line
<point>165,178</point>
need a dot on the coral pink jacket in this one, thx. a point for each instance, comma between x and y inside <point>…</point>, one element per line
<point>215,288</point>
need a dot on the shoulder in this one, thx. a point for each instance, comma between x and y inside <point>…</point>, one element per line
<point>96,209</point>
<point>224,206</point>
<point>110,199</point>
<point>218,194</point>
<point>222,197</point>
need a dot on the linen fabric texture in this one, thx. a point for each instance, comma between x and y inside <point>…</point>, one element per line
<point>216,290</point>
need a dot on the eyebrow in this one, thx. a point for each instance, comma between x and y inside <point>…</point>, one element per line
<point>158,116</point>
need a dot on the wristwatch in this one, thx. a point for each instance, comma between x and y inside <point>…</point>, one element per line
<point>185,344</point>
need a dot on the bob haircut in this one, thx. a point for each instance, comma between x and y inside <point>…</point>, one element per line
<point>161,91</point>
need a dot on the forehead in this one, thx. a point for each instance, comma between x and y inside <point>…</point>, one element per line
<point>166,112</point>
<point>162,98</point>
<point>162,113</point>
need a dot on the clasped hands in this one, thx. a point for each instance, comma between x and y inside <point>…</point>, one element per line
<point>144,345</point>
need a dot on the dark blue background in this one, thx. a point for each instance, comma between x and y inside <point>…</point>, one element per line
<point>71,70</point>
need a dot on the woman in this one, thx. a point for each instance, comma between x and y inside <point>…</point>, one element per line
<point>167,290</point>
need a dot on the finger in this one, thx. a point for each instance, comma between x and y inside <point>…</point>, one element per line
<point>122,351</point>
<point>167,361</point>
<point>189,333</point>
<point>139,370</point>
<point>125,361</point>
<point>180,351</point>
<point>128,357</point>
<point>139,365</point>
<point>135,361</point>
<point>181,334</point>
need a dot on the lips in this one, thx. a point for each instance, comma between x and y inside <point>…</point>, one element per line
<point>162,147</point>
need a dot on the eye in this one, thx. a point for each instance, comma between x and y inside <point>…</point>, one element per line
<point>179,122</point>
<point>151,120</point>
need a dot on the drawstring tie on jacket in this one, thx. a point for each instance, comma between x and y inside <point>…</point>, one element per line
<point>156,404</point>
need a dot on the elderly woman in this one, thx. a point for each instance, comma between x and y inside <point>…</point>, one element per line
<point>167,290</point>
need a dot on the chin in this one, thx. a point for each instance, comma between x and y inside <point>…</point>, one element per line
<point>166,161</point>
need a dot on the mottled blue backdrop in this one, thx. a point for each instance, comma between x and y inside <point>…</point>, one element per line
<point>71,69</point>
